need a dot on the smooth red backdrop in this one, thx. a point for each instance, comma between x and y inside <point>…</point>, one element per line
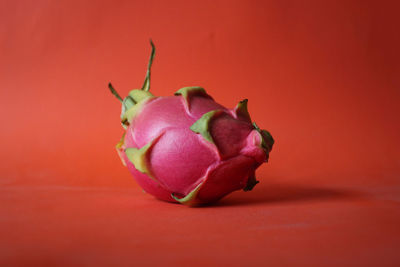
<point>321,76</point>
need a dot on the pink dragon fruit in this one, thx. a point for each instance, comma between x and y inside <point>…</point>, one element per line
<point>187,148</point>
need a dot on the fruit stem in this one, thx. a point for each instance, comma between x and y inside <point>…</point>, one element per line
<point>114,92</point>
<point>146,84</point>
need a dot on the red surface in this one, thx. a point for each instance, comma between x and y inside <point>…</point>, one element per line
<point>322,76</point>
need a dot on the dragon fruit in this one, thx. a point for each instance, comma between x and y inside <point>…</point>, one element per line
<point>187,148</point>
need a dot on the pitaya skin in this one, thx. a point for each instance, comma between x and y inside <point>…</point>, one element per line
<point>187,148</point>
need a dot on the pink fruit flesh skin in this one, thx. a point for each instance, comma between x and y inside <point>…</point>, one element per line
<point>191,157</point>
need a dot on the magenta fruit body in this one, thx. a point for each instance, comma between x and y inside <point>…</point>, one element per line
<point>187,148</point>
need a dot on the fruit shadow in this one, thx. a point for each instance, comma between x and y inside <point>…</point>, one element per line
<point>281,193</point>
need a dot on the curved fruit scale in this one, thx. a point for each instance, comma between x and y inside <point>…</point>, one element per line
<point>187,148</point>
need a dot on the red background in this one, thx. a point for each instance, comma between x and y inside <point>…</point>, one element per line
<point>321,76</point>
